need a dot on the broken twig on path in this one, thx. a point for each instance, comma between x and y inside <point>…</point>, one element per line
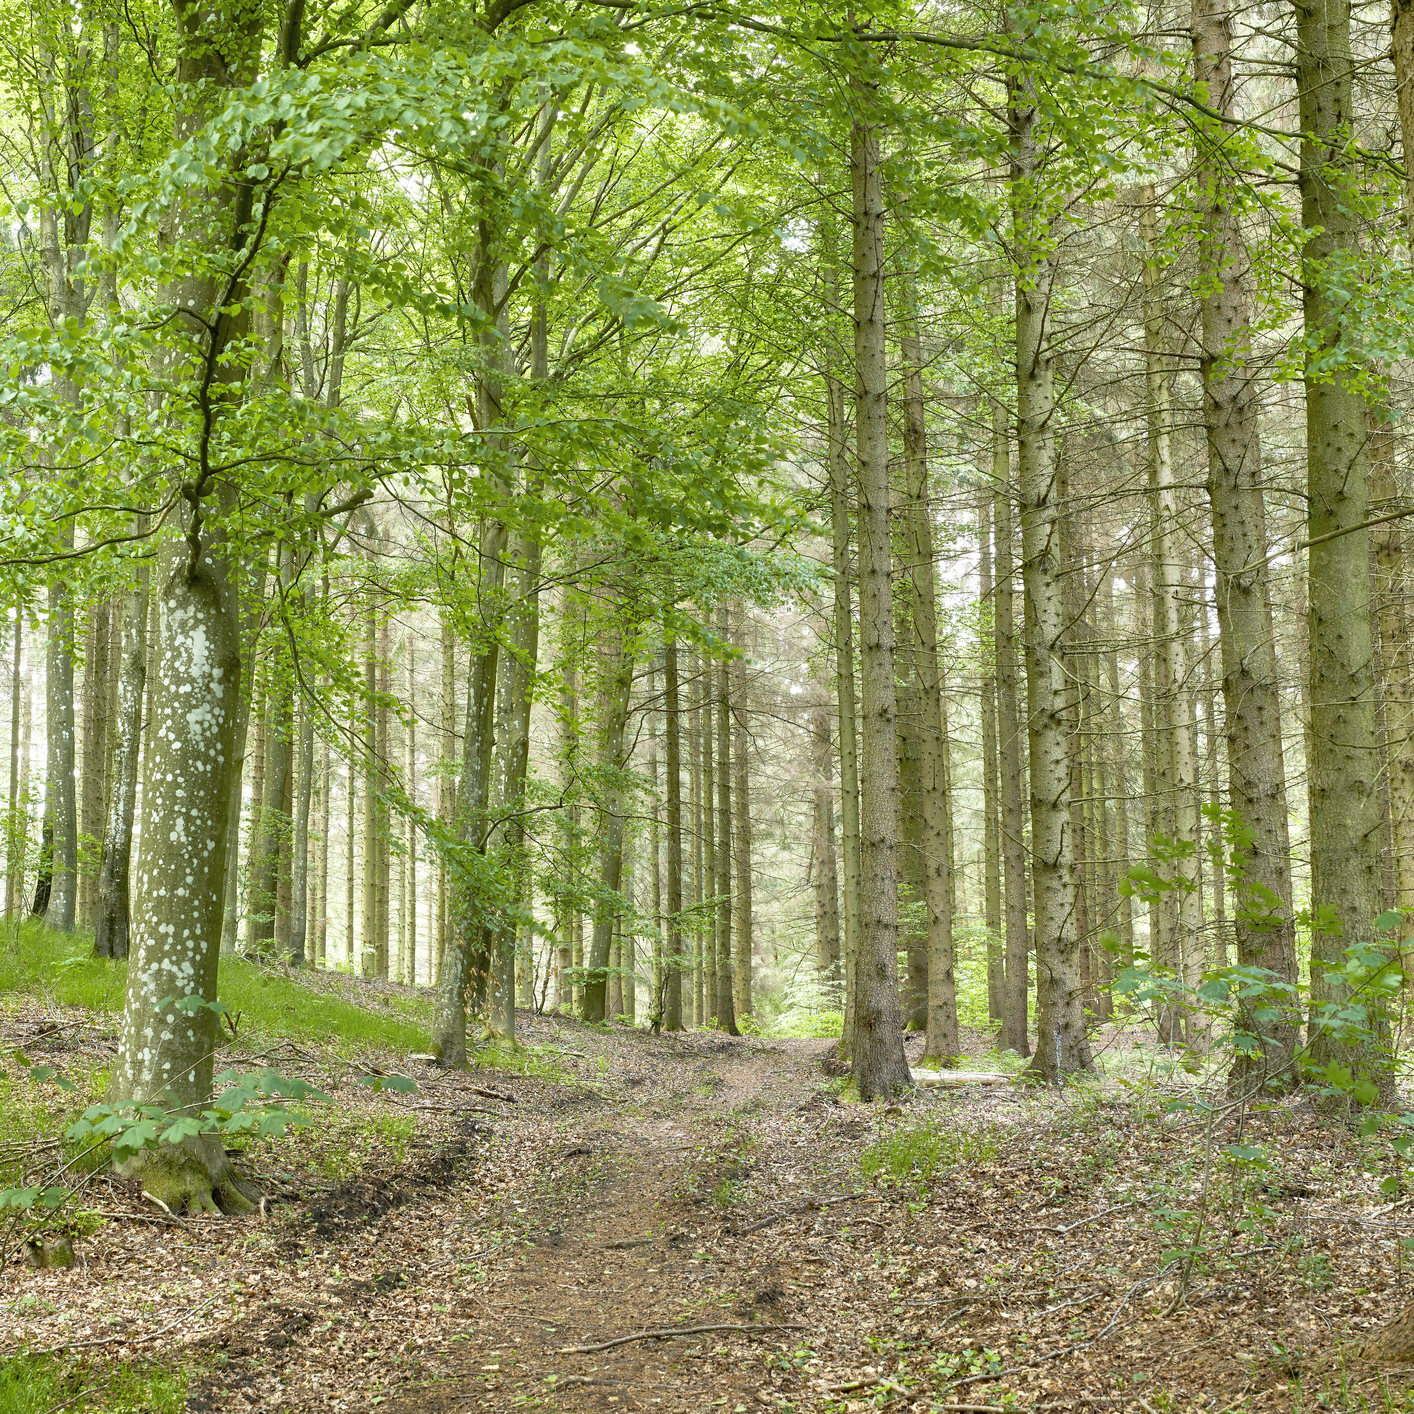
<point>663,1334</point>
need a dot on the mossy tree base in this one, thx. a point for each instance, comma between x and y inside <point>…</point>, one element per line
<point>194,1176</point>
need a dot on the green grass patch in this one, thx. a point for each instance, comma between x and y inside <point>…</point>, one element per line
<point>36,1384</point>
<point>37,962</point>
<point>923,1153</point>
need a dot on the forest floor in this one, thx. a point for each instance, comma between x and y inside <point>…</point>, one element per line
<point>503,1240</point>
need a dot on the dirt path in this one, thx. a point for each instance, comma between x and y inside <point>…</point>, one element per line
<point>626,1237</point>
<point>445,1250</point>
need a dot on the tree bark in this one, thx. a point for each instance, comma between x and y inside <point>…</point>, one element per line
<point>991,831</point>
<point>823,861</point>
<point>674,959</point>
<point>937,835</point>
<point>617,681</point>
<point>111,932</point>
<point>880,1068</point>
<point>1013,789</point>
<point>1344,799</point>
<point>1062,1046</point>
<point>726,991</point>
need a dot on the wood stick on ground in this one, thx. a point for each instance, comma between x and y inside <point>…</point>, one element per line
<point>813,1205</point>
<point>664,1334</point>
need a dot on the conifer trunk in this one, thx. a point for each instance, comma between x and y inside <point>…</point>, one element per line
<point>1343,765</point>
<point>1062,1046</point>
<point>880,1068</point>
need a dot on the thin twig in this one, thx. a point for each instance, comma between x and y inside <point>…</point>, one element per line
<point>664,1334</point>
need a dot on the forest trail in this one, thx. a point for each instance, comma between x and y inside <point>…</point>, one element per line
<point>995,1248</point>
<point>619,1245</point>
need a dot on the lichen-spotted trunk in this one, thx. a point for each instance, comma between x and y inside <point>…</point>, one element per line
<point>165,1055</point>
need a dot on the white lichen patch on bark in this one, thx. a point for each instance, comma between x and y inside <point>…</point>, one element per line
<point>165,1055</point>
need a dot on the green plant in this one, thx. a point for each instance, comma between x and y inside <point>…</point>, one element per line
<point>32,1384</point>
<point>924,1152</point>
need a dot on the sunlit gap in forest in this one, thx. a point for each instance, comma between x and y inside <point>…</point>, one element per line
<point>708,706</point>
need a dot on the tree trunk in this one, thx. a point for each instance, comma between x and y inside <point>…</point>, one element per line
<point>1013,791</point>
<point>991,833</point>
<point>111,931</point>
<point>847,710</point>
<point>16,827</point>
<point>673,959</point>
<point>937,835</point>
<point>744,923</point>
<point>97,711</point>
<point>1171,697</point>
<point>726,991</point>
<point>827,908</point>
<point>709,842</point>
<point>60,805</point>
<point>880,1068</point>
<point>1062,1046</point>
<point>299,841</point>
<point>1344,799</point>
<point>618,679</point>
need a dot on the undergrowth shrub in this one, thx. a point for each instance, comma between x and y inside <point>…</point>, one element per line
<point>925,1152</point>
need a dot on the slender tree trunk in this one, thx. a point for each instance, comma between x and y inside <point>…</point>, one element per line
<point>673,958</point>
<point>409,914</point>
<point>1013,792</point>
<point>618,679</point>
<point>1344,801</point>
<point>837,451</point>
<point>745,925</point>
<point>709,843</point>
<point>16,831</point>
<point>299,842</point>
<point>991,831</point>
<point>1062,1045</point>
<point>1170,661</point>
<point>937,835</point>
<point>726,991</point>
<point>94,775</point>
<point>699,839</point>
<point>60,809</point>
<point>110,937</point>
<point>880,1068</point>
<point>827,908</point>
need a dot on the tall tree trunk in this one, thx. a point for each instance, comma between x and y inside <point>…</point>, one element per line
<point>299,951</point>
<point>837,453</point>
<point>827,907</point>
<point>1013,791</point>
<point>15,829</point>
<point>617,681</point>
<point>1171,695</point>
<point>745,925</point>
<point>111,932</point>
<point>93,798</point>
<point>1344,800</point>
<point>1061,1046</point>
<point>189,769</point>
<point>726,991</point>
<point>60,805</point>
<point>699,838</point>
<point>880,1068</point>
<point>709,841</point>
<point>674,960</point>
<point>937,835</point>
<point>991,831</point>
<point>409,916</point>
<point>513,755</point>
<point>446,784</point>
